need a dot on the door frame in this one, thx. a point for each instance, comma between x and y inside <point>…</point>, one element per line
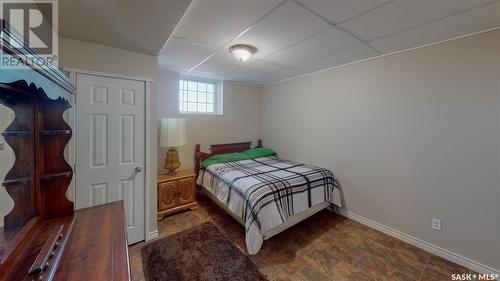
<point>149,185</point>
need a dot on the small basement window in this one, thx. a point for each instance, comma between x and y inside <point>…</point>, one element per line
<point>200,96</point>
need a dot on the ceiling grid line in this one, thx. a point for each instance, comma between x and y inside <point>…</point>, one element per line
<point>363,41</point>
<point>239,35</point>
<point>193,42</point>
<point>296,37</point>
<point>434,20</point>
<point>382,56</point>
<point>287,47</point>
<point>332,26</point>
<point>338,27</point>
<point>276,71</point>
<point>296,43</point>
<point>364,12</point>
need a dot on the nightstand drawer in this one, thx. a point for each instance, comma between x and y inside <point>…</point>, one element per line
<point>186,190</point>
<point>167,195</point>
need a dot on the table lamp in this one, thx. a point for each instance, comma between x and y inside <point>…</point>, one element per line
<point>172,135</point>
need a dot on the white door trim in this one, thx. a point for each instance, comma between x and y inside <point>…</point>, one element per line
<point>150,185</point>
<point>147,162</point>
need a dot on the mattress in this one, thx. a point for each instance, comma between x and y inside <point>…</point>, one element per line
<point>269,194</point>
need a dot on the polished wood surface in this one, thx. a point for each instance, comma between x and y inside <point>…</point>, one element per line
<point>182,174</point>
<point>176,192</point>
<point>89,245</point>
<point>97,247</point>
<point>51,245</point>
<point>216,149</point>
<point>18,266</point>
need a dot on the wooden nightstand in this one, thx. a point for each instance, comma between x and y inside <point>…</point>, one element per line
<point>176,193</point>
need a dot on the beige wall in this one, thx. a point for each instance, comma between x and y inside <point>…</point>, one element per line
<point>6,162</point>
<point>240,121</point>
<point>99,58</point>
<point>410,136</point>
<point>498,149</point>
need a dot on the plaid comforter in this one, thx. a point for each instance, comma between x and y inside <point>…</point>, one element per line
<point>265,191</point>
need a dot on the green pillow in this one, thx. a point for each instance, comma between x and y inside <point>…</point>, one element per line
<point>224,158</point>
<point>259,152</point>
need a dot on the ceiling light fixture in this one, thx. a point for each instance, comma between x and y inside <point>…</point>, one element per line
<point>242,52</point>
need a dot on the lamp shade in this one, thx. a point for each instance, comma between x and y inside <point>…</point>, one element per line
<point>173,132</point>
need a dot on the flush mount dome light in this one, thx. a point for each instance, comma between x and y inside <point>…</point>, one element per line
<point>242,52</point>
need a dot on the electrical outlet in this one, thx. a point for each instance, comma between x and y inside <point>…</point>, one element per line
<point>436,224</point>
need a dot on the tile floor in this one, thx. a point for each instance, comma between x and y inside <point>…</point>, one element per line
<point>324,247</point>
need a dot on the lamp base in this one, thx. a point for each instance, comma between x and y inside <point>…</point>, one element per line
<point>172,161</point>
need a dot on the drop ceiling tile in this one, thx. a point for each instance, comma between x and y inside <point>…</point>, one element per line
<point>465,23</point>
<point>314,47</point>
<point>340,10</point>
<point>183,54</point>
<point>206,75</point>
<point>215,22</point>
<point>278,76</point>
<point>288,24</point>
<point>252,71</point>
<point>120,24</point>
<point>170,68</point>
<point>403,14</point>
<point>223,62</point>
<point>353,54</point>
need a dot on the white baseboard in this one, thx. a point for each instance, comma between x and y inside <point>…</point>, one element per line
<point>436,250</point>
<point>152,235</point>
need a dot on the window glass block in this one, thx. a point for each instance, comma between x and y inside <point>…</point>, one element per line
<point>202,87</point>
<point>192,86</point>
<point>210,88</point>
<point>191,107</point>
<point>197,96</point>
<point>192,96</point>
<point>202,97</point>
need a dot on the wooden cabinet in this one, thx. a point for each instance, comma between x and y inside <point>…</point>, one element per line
<point>176,193</point>
<point>186,190</point>
<point>167,195</point>
<point>42,237</point>
<point>97,247</point>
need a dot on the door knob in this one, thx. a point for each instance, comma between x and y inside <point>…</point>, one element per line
<point>138,169</point>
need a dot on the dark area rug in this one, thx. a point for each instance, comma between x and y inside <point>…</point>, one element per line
<point>198,253</point>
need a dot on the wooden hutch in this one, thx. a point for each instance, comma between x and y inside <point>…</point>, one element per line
<point>43,238</point>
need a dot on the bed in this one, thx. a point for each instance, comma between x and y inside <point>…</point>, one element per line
<point>266,195</point>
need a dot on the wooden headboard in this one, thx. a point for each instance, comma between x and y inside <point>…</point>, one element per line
<point>215,149</point>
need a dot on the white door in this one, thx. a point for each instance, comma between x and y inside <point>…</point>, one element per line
<point>110,146</point>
